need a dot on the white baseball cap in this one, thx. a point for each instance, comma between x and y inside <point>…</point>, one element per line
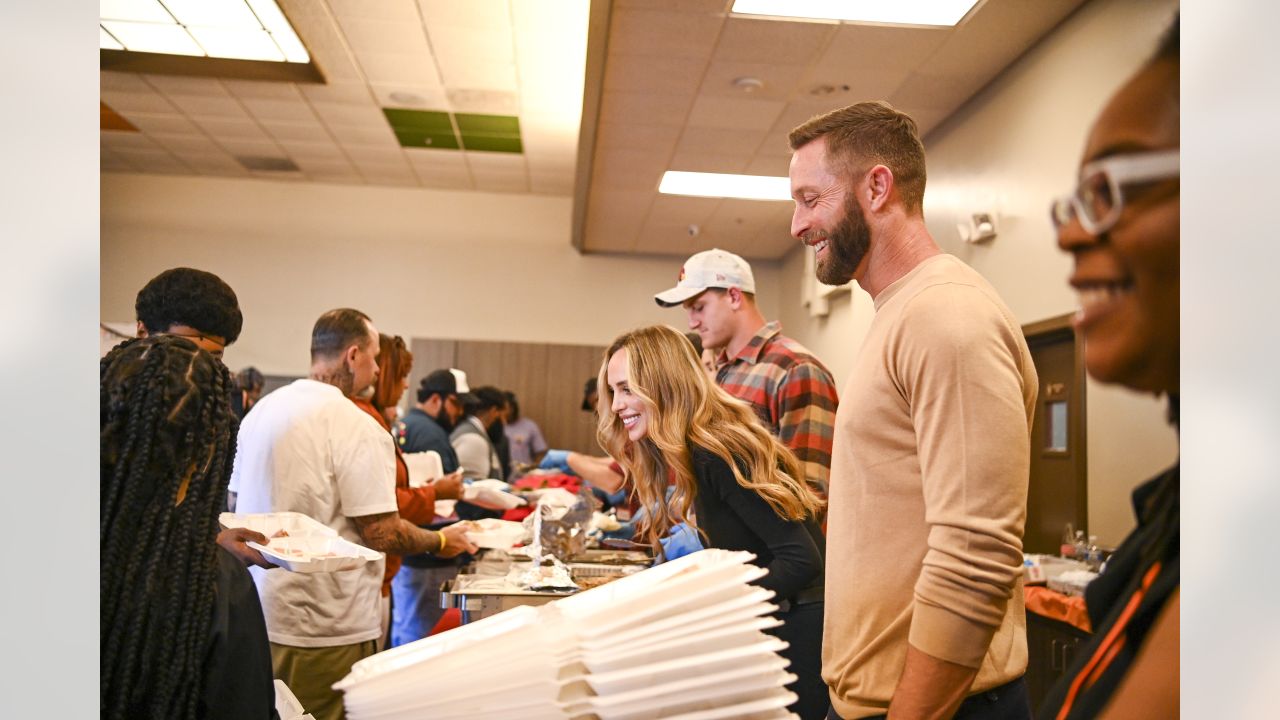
<point>713,268</point>
<point>461,377</point>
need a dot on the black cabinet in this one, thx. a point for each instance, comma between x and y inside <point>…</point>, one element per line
<point>1051,646</point>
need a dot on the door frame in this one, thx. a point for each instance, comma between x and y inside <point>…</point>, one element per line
<point>1048,330</point>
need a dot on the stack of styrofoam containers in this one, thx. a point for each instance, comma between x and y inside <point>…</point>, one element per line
<point>682,640</point>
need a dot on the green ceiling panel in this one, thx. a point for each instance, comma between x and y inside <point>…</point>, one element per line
<point>492,143</point>
<point>434,121</point>
<point>469,124</point>
<point>423,138</point>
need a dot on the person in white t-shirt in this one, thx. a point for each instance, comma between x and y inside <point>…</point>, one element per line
<point>306,448</point>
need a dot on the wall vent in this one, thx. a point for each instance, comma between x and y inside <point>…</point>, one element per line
<point>271,164</point>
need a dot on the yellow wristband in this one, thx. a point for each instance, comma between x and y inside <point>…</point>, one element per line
<point>443,541</point>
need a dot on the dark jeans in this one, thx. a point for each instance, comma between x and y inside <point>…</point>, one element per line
<point>1009,701</point>
<point>802,628</point>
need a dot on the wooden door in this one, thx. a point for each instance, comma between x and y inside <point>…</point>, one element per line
<point>1057,493</point>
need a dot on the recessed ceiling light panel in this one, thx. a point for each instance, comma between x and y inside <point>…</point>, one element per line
<point>916,12</point>
<point>745,187</point>
<point>235,29</point>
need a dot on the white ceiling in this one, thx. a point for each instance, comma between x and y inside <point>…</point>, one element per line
<point>659,95</point>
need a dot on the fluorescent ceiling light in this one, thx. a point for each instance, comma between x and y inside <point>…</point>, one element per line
<point>746,187</point>
<point>911,12</point>
<point>238,29</point>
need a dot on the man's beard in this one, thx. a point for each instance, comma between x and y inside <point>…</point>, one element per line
<point>442,419</point>
<point>496,431</point>
<point>847,245</point>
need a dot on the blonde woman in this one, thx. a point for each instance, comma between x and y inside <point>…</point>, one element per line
<point>731,482</point>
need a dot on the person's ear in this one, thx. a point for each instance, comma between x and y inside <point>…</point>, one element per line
<point>880,183</point>
<point>735,297</point>
<point>349,357</point>
<point>142,330</point>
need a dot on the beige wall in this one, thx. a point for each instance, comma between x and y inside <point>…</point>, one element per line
<point>422,263</point>
<point>1008,151</point>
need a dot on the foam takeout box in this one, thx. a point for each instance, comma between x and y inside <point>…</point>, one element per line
<point>299,543</point>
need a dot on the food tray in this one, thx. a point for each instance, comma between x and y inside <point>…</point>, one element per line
<point>315,553</point>
<point>272,524</point>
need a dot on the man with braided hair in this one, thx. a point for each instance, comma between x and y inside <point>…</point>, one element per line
<point>181,628</point>
<point>307,448</point>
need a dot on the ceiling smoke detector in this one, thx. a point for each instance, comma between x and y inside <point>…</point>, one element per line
<point>748,84</point>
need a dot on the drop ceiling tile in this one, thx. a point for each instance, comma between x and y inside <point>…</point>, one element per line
<point>220,163</point>
<point>114,163</point>
<point>381,36</point>
<point>431,159</point>
<point>367,114</point>
<point>325,167</point>
<point>779,82</point>
<point>303,132</point>
<point>644,108</point>
<point>392,69</point>
<point>771,41</point>
<point>773,165</point>
<point>299,150</point>
<point>672,239</point>
<point>275,109</point>
<point>873,60</point>
<point>734,113</point>
<point>328,49</point>
<point>667,74</point>
<point>470,15</point>
<point>208,106</point>
<point>262,89</point>
<point>490,102</point>
<point>347,93</point>
<point>277,175</point>
<point>994,36</point>
<point>393,10</point>
<point>252,148</point>
<point>552,164</point>
<point>720,141</point>
<point>383,172</point>
<point>157,162</point>
<point>184,85</point>
<point>707,162</point>
<point>458,46</point>
<point>661,139</point>
<point>627,170</point>
<point>936,92</point>
<point>499,76</point>
<point>708,6</point>
<point>412,97</point>
<point>126,82</point>
<point>551,183</point>
<point>123,101</point>
<point>222,128</point>
<point>377,157</point>
<point>339,178</point>
<point>748,214</point>
<point>501,182</point>
<point>444,179</point>
<point>663,33</point>
<point>120,140</point>
<point>187,144</point>
<point>682,210</point>
<point>490,162</point>
<point>363,135</point>
<point>170,123</point>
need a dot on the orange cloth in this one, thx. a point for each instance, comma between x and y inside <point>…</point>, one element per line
<point>417,505</point>
<point>1056,606</point>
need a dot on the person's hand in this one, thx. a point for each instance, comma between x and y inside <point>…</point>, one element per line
<point>456,541</point>
<point>449,487</point>
<point>681,540</point>
<point>557,460</point>
<point>233,541</point>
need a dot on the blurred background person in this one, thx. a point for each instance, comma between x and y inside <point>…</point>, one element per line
<point>477,455</point>
<point>523,434</point>
<point>248,389</point>
<point>1120,226</point>
<point>181,628</point>
<point>417,505</point>
<point>736,486</point>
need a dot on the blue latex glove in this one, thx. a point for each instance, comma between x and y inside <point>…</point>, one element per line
<point>681,540</point>
<point>557,460</point>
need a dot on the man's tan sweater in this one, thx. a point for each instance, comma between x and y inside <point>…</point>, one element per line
<point>929,490</point>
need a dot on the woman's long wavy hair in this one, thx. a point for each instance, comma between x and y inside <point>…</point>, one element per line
<point>394,363</point>
<point>685,410</point>
<point>167,444</point>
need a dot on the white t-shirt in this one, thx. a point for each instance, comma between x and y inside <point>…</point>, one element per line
<point>307,448</point>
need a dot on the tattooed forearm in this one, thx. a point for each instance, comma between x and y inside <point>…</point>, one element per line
<point>389,533</point>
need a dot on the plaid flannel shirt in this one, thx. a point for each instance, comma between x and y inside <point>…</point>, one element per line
<point>792,392</point>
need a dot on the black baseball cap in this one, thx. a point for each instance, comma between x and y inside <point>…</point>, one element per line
<point>587,391</point>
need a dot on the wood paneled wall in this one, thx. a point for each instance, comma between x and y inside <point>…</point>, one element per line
<point>547,380</point>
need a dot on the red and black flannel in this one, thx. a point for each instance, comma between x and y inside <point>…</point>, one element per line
<point>792,392</point>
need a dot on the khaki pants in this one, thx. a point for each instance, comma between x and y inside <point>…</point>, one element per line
<point>310,673</point>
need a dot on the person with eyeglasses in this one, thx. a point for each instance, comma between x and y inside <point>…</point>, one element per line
<point>932,441</point>
<point>1121,228</point>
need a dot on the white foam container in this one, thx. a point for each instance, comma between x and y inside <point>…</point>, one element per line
<point>655,673</point>
<point>770,707</point>
<point>493,533</point>
<point>269,524</point>
<point>315,553</point>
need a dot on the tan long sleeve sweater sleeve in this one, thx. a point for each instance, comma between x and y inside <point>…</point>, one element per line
<point>929,489</point>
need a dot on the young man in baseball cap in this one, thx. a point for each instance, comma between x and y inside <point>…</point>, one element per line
<point>790,389</point>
